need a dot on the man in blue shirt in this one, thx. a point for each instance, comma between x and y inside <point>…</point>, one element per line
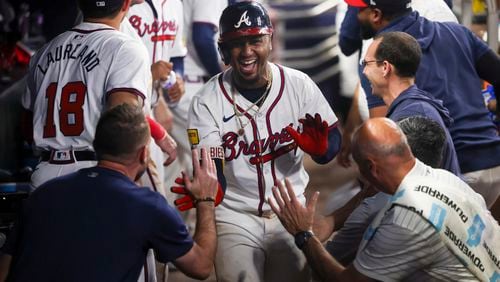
<point>97,224</point>
<point>453,63</point>
<point>390,65</point>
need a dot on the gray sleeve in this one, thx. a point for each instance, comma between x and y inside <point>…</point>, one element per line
<point>344,245</point>
<point>403,244</point>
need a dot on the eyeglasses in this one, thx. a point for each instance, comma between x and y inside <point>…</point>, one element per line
<point>364,62</point>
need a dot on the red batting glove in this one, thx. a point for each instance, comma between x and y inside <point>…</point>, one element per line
<point>187,201</point>
<point>314,137</point>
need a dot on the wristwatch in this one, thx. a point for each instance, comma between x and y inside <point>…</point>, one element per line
<point>302,237</point>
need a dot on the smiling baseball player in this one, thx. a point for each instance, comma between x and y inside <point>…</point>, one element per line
<point>251,116</point>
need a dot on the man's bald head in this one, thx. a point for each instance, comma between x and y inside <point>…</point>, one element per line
<point>379,137</point>
<point>380,149</point>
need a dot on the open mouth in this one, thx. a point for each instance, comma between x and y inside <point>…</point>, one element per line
<point>248,67</point>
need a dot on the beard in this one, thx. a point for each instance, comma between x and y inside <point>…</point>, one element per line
<point>366,30</point>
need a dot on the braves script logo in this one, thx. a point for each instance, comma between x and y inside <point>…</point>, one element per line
<point>243,19</point>
<point>235,148</point>
<point>155,28</point>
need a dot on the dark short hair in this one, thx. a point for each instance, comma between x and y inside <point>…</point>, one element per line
<point>120,132</point>
<point>401,50</point>
<point>100,8</point>
<point>427,139</point>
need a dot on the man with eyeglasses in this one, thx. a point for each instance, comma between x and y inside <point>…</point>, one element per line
<point>454,62</point>
<point>390,64</point>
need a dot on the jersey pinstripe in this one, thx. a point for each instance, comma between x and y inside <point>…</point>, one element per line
<point>406,247</point>
<point>265,153</point>
<point>69,80</point>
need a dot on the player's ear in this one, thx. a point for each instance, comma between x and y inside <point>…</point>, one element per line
<point>126,5</point>
<point>372,167</point>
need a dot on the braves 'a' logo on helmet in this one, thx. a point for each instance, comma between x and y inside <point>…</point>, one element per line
<point>243,19</point>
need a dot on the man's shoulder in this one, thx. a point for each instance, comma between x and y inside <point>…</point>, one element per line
<point>291,72</point>
<point>410,106</point>
<point>406,218</point>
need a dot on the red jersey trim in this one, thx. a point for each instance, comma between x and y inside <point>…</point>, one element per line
<point>131,90</point>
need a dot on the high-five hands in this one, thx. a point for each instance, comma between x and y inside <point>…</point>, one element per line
<point>203,187</point>
<point>314,137</point>
<point>205,176</point>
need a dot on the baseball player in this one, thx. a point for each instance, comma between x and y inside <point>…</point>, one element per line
<point>250,116</point>
<point>75,77</point>
<point>157,24</point>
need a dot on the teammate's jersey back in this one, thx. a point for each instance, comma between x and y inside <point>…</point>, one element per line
<point>71,77</point>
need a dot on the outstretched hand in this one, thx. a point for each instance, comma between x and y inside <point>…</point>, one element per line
<point>293,215</point>
<point>187,201</point>
<point>204,184</point>
<point>314,137</point>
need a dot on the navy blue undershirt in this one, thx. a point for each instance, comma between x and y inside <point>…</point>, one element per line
<point>204,44</point>
<point>178,65</point>
<point>253,95</point>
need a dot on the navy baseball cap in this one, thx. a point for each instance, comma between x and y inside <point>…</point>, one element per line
<point>383,5</point>
<point>100,7</point>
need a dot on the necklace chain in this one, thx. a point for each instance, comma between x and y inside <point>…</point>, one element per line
<point>259,101</point>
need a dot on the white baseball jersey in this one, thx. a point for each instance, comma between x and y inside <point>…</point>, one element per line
<point>160,27</point>
<point>71,77</point>
<point>199,11</point>
<point>265,153</point>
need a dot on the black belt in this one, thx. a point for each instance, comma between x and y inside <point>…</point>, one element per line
<point>67,156</point>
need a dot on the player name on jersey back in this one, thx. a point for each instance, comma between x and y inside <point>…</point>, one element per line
<point>71,77</point>
<point>88,58</point>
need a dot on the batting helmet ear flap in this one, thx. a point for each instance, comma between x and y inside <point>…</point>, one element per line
<point>224,53</point>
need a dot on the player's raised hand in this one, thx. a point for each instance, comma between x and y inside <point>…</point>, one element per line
<point>204,185</point>
<point>186,202</point>
<point>293,215</point>
<point>314,137</point>
<point>169,146</point>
